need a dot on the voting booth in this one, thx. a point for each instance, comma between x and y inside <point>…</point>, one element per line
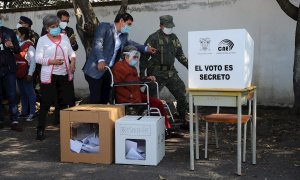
<point>220,59</point>
<point>140,140</point>
<point>87,133</point>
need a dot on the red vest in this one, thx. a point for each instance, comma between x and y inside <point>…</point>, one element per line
<point>22,63</point>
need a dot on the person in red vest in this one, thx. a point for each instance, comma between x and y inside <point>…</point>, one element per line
<point>25,69</point>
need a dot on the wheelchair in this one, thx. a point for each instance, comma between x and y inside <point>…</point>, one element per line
<point>137,108</point>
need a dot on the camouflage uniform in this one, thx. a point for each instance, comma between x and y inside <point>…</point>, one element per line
<point>161,65</point>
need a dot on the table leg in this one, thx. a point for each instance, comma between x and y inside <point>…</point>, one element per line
<point>197,132</point>
<point>239,136</point>
<point>191,132</point>
<point>254,130</point>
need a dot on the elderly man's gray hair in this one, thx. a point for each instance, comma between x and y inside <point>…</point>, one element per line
<point>49,20</point>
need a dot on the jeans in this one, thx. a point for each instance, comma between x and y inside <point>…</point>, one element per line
<point>27,96</point>
<point>8,80</point>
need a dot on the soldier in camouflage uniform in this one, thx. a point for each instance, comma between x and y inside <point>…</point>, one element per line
<point>161,64</point>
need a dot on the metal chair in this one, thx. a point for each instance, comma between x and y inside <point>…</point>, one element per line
<point>149,110</point>
<point>230,119</point>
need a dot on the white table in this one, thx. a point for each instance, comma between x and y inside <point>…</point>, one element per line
<point>221,97</point>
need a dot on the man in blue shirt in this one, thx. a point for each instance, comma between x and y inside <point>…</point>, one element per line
<point>109,41</point>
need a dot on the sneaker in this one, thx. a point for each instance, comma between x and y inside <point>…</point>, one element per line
<point>30,117</point>
<point>15,126</point>
<point>22,116</point>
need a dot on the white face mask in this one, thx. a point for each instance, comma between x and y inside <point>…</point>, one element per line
<point>19,25</point>
<point>167,31</point>
<point>63,25</point>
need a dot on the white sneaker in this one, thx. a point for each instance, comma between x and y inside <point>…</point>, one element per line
<point>30,117</point>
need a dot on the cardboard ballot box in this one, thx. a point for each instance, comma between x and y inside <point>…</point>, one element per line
<point>140,140</point>
<point>87,133</point>
<point>220,59</point>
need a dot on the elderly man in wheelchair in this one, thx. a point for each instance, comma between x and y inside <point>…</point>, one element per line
<point>125,71</point>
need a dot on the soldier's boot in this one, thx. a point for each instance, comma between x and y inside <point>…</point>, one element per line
<point>180,121</point>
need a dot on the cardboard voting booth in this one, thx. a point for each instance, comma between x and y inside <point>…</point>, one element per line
<point>87,133</point>
<point>220,59</point>
<point>140,140</point>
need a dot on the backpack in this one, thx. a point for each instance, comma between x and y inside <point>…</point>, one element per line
<point>22,63</point>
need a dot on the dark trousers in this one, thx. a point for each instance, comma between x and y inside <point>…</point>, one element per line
<point>8,80</point>
<point>176,87</point>
<point>58,91</point>
<point>58,106</point>
<point>99,88</point>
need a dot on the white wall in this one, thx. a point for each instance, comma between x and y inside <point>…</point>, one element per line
<point>272,30</point>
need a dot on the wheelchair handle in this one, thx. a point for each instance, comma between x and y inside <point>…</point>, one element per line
<point>111,75</point>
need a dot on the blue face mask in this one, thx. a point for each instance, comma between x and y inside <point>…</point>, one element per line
<point>133,62</point>
<point>125,29</point>
<point>55,31</point>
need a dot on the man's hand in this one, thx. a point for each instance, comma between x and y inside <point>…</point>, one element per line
<point>72,39</point>
<point>101,66</point>
<point>151,50</point>
<point>151,78</point>
<point>9,44</point>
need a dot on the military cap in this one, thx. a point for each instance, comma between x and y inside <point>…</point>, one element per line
<point>26,20</point>
<point>167,21</point>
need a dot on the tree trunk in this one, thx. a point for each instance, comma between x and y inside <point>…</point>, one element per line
<point>294,13</point>
<point>87,21</point>
<point>123,7</point>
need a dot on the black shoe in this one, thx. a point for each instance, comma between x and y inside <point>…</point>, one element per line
<point>175,133</point>
<point>40,134</point>
<point>56,121</point>
<point>1,125</point>
<point>185,125</point>
<point>15,126</point>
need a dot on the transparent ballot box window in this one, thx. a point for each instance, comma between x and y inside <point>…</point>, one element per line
<point>84,137</point>
<point>135,149</point>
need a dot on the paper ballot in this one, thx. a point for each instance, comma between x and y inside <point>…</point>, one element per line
<point>89,144</point>
<point>130,145</point>
<point>133,151</point>
<point>134,155</point>
<point>75,145</point>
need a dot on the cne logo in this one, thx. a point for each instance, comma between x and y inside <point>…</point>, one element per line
<point>225,45</point>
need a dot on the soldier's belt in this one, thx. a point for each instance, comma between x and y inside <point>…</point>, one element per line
<point>164,67</point>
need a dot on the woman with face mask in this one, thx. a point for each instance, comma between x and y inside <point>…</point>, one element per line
<point>53,52</point>
<point>125,71</point>
<point>25,69</point>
